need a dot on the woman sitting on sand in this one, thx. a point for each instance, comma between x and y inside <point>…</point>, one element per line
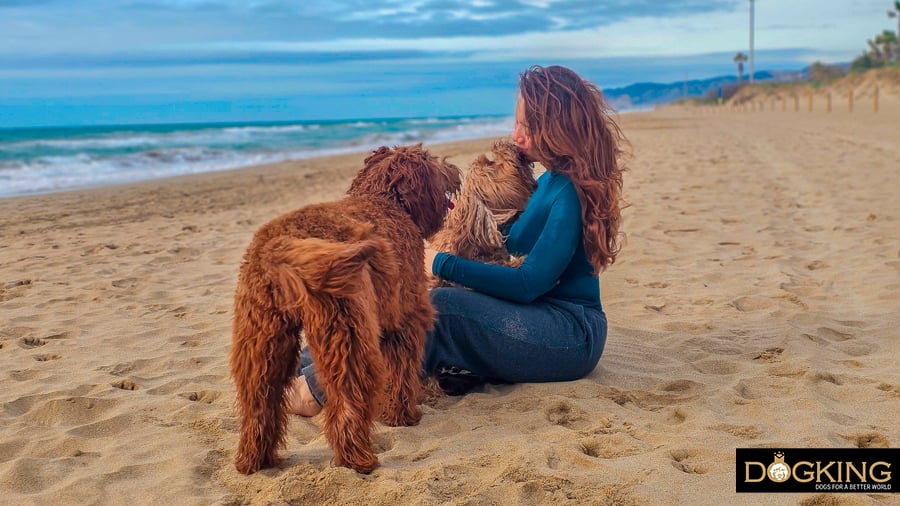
<point>542,321</point>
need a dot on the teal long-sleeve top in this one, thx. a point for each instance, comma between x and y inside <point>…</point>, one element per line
<point>549,232</point>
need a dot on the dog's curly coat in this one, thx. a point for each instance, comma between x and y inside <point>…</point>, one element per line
<point>349,275</point>
<point>493,194</point>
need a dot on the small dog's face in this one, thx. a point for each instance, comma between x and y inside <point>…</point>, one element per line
<point>503,184</point>
<point>413,178</point>
<point>493,193</point>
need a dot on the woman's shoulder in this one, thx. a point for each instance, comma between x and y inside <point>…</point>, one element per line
<point>558,185</point>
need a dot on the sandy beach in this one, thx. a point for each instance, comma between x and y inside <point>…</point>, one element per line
<point>755,304</point>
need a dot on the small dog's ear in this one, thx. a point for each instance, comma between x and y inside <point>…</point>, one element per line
<point>478,225</point>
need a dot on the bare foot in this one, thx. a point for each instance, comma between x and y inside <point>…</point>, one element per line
<point>299,400</point>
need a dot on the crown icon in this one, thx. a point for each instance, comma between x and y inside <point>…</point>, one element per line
<point>779,456</point>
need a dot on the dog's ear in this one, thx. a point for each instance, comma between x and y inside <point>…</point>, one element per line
<point>478,227</point>
<point>373,178</point>
<point>422,184</point>
<point>417,181</point>
<point>377,155</point>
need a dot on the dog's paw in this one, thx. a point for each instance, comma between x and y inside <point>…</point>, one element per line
<point>403,418</point>
<point>516,261</point>
<point>363,464</point>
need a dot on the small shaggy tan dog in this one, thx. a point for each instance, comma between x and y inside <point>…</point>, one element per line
<point>349,275</point>
<point>493,194</point>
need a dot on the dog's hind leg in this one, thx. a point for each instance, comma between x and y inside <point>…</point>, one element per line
<point>403,350</point>
<point>343,340</point>
<point>263,361</point>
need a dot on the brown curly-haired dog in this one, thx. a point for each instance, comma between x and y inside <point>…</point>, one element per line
<point>349,275</point>
<point>493,194</point>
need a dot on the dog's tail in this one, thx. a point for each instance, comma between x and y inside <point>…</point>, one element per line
<point>299,269</point>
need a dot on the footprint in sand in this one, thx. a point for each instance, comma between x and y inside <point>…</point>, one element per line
<point>125,283</point>
<point>383,442</point>
<point>751,303</point>
<point>46,357</point>
<point>565,414</point>
<point>827,377</point>
<point>770,355</point>
<point>676,416</point>
<point>647,401</point>
<point>204,396</point>
<point>31,342</point>
<point>893,390</point>
<point>845,342</point>
<point>681,385</point>
<point>126,384</point>
<point>833,335</point>
<point>14,289</point>
<point>689,461</point>
<point>869,440</point>
<point>608,446</point>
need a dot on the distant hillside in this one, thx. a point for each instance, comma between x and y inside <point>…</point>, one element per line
<point>650,94</point>
<point>863,84</point>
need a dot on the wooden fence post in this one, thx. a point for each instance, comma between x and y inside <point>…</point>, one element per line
<point>828,102</point>
<point>849,99</point>
<point>875,102</point>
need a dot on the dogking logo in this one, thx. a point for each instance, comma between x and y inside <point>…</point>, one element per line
<point>866,470</point>
<point>778,471</point>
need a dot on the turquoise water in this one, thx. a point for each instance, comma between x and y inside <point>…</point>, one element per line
<point>43,160</point>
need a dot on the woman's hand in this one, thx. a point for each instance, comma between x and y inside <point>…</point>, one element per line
<point>429,259</point>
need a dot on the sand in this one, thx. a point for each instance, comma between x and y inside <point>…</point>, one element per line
<point>755,304</point>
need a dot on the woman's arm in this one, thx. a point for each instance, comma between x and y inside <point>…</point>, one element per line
<point>542,268</point>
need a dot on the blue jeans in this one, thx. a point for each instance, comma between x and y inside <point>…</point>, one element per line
<point>500,341</point>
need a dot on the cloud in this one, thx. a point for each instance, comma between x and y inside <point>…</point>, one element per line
<point>483,29</point>
<point>91,26</point>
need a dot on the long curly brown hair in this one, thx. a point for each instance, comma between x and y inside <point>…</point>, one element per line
<point>573,133</point>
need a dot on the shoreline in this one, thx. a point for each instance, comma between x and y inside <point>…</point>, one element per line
<point>311,155</point>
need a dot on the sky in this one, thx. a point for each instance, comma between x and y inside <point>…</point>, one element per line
<point>78,62</point>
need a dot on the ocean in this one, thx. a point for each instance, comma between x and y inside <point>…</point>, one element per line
<point>45,160</point>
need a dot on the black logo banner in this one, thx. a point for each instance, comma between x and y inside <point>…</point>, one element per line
<point>865,470</point>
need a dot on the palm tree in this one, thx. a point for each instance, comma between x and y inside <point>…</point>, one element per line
<point>888,40</point>
<point>875,51</point>
<point>896,14</point>
<point>740,58</point>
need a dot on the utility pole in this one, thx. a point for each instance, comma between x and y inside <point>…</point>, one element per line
<point>751,41</point>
